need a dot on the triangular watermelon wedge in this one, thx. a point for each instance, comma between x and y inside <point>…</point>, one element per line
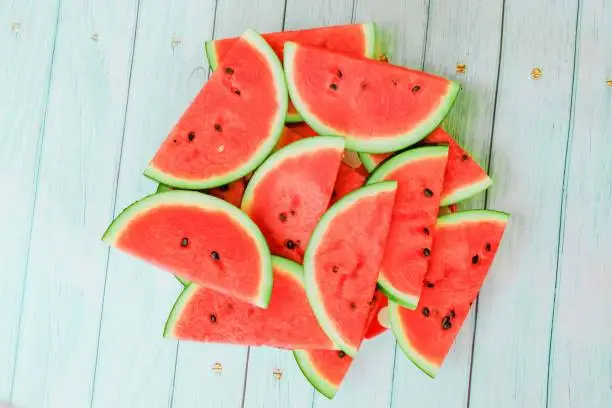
<point>232,192</point>
<point>201,239</point>
<point>377,107</point>
<point>201,314</point>
<point>463,178</point>
<point>291,190</point>
<point>464,247</point>
<point>231,126</point>
<point>420,175</point>
<point>355,39</point>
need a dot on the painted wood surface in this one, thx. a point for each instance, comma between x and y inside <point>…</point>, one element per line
<point>91,87</point>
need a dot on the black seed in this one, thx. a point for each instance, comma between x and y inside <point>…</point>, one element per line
<point>363,84</point>
<point>184,242</point>
<point>475,259</point>
<point>229,70</point>
<point>464,157</point>
<point>236,91</point>
<point>339,74</point>
<point>341,354</point>
<point>426,251</point>
<point>213,318</point>
<point>218,127</point>
<point>428,192</point>
<point>488,247</point>
<point>416,88</point>
<point>446,323</point>
<point>334,194</point>
<point>426,231</point>
<point>452,314</point>
<point>224,188</point>
<point>290,244</point>
<point>335,269</point>
<point>353,306</point>
<point>333,86</point>
<point>429,284</point>
<point>282,217</point>
<point>292,212</point>
<point>394,82</point>
<point>215,255</point>
<point>191,136</point>
<point>425,311</point>
<point>174,140</point>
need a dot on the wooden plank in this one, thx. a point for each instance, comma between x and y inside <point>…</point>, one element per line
<point>197,382</point>
<point>80,155</point>
<point>474,46</point>
<point>135,364</point>
<point>263,388</point>
<point>28,39</point>
<point>580,374</point>
<point>369,381</point>
<point>510,360</point>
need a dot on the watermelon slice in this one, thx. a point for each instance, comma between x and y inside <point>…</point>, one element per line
<point>201,314</point>
<point>289,193</point>
<point>380,323</point>
<point>420,174</point>
<point>356,39</point>
<point>348,179</point>
<point>464,246</point>
<point>342,262</point>
<point>232,192</point>
<point>377,107</point>
<point>215,141</point>
<point>302,129</point>
<point>201,239</point>
<point>289,136</point>
<point>463,178</point>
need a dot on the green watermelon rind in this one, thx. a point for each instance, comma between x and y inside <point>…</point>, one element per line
<point>368,163</point>
<point>292,150</point>
<point>314,376</point>
<point>466,191</point>
<point>211,54</point>
<point>312,291</point>
<point>276,127</point>
<point>192,198</point>
<point>428,367</point>
<point>388,166</point>
<point>371,145</point>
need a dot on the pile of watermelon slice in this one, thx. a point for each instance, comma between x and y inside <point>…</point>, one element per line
<point>306,201</point>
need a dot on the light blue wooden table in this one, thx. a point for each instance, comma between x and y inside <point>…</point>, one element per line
<point>89,88</point>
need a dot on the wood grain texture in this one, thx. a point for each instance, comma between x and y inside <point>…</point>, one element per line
<point>510,360</point>
<point>135,364</point>
<point>468,33</point>
<point>580,374</point>
<point>80,155</point>
<point>27,40</point>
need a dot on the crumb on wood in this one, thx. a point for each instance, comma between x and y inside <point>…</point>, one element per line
<point>536,73</point>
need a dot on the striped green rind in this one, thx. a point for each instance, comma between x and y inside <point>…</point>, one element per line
<point>315,297</point>
<point>205,202</point>
<point>314,377</point>
<point>211,54</point>
<point>276,128</point>
<point>368,163</point>
<point>177,309</point>
<point>370,145</point>
<point>473,216</point>
<point>467,191</point>
<point>428,367</point>
<point>406,300</point>
<point>162,188</point>
<point>295,149</point>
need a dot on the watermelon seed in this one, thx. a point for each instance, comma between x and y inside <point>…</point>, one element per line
<point>339,74</point>
<point>213,318</point>
<point>218,127</point>
<point>475,259</point>
<point>426,251</point>
<point>174,140</point>
<point>426,231</point>
<point>394,82</point>
<point>452,314</point>
<point>191,136</point>
<point>353,306</point>
<point>229,70</point>
<point>282,217</point>
<point>236,91</point>
<point>215,255</point>
<point>224,187</point>
<point>290,244</point>
<point>363,84</point>
<point>446,323</point>
<point>341,354</point>
<point>292,212</point>
<point>488,247</point>
<point>464,157</point>
<point>429,284</point>
<point>184,242</point>
<point>425,311</point>
<point>333,86</point>
<point>428,192</point>
<point>335,269</point>
<point>416,88</point>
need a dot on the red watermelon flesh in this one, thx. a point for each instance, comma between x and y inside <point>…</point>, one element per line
<point>201,239</point>
<point>289,136</point>
<point>339,94</point>
<point>203,315</point>
<point>348,179</point>
<point>357,39</point>
<point>375,328</point>
<point>343,259</point>
<point>215,142</point>
<point>232,192</point>
<point>290,192</point>
<point>463,177</point>
<point>464,246</point>
<point>302,129</point>
<point>420,174</point>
